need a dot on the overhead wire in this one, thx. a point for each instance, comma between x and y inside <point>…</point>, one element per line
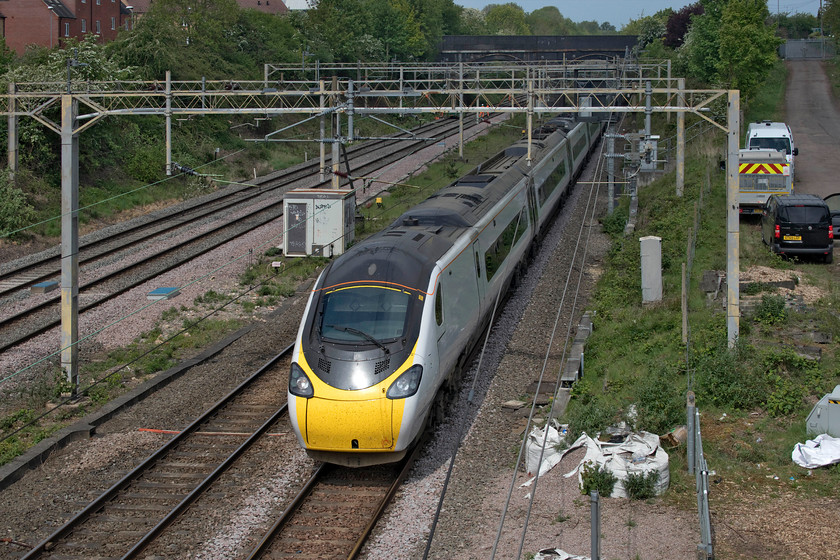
<point>212,272</point>
<point>592,201</point>
<point>470,405</point>
<point>593,198</point>
<point>116,196</point>
<point>271,240</point>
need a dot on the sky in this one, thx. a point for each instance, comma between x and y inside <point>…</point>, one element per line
<point>620,12</point>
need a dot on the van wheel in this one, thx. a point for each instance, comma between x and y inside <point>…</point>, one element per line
<point>829,258</point>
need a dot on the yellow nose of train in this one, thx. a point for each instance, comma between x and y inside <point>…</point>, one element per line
<point>352,428</point>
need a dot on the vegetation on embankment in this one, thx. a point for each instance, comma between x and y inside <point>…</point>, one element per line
<point>753,398</point>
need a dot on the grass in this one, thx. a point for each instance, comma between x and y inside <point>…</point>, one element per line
<point>753,401</point>
<point>768,103</point>
<point>101,379</point>
<point>112,373</point>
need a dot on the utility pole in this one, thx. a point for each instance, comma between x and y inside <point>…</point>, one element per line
<point>69,241</point>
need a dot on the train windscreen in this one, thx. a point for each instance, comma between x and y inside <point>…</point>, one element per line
<point>354,314</point>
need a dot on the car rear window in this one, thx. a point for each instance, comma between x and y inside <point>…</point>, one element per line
<point>805,214</point>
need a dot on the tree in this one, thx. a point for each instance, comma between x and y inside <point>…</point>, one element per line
<point>437,18</point>
<point>549,21</point>
<point>588,28</point>
<point>472,22</point>
<point>649,29</point>
<point>506,19</point>
<point>153,46</point>
<point>831,17</point>
<point>700,52</point>
<point>262,38</point>
<point>730,45</point>
<point>338,31</point>
<point>796,26</point>
<point>747,45</point>
<point>678,24</point>
<point>15,212</point>
<point>395,24</point>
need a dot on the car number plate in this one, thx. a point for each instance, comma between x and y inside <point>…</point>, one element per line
<point>792,238</point>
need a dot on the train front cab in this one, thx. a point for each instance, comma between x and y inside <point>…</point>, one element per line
<point>351,428</point>
<point>357,396</point>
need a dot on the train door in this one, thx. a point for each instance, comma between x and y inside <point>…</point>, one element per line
<point>532,204</point>
<point>480,277</point>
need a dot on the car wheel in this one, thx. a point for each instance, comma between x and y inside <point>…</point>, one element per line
<point>829,258</point>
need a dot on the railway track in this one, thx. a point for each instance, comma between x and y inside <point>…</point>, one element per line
<point>334,513</point>
<point>265,207</point>
<point>24,275</point>
<point>331,516</point>
<point>136,510</point>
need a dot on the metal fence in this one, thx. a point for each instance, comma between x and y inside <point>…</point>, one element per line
<point>800,49</point>
<point>694,443</point>
<point>697,465</point>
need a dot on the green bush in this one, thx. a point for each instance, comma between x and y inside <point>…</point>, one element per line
<point>725,379</point>
<point>615,222</point>
<point>15,211</point>
<point>771,310</point>
<point>641,486</point>
<point>589,414</point>
<point>785,396</point>
<point>660,401</point>
<point>22,416</point>
<point>597,478</point>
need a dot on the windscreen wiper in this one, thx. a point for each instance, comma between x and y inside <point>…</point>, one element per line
<point>363,334</point>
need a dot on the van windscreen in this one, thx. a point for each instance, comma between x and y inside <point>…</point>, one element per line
<point>805,214</point>
<point>778,144</point>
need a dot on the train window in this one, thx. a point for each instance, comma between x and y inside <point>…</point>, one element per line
<point>354,314</point>
<point>579,146</point>
<point>477,266</point>
<point>499,249</point>
<point>439,305</point>
<point>551,184</point>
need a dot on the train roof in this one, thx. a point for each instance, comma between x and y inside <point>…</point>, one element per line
<point>399,255</point>
<point>464,202</point>
<point>406,251</point>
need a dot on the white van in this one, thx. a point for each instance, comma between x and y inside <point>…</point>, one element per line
<point>772,135</point>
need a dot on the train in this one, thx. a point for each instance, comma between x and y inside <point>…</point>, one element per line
<point>391,323</point>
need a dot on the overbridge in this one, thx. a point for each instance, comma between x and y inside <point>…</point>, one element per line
<point>535,48</point>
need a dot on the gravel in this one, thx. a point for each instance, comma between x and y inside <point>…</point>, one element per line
<point>483,474</point>
<point>484,488</point>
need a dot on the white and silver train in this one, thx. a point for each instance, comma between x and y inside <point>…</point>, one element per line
<point>391,322</point>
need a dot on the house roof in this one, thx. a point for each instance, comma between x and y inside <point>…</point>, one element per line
<point>138,6</point>
<point>267,6</point>
<point>60,9</point>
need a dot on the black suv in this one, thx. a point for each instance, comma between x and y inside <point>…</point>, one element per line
<point>798,224</point>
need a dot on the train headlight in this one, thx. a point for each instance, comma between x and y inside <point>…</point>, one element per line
<point>406,384</point>
<point>299,384</point>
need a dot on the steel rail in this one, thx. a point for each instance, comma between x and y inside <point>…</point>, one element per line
<point>26,315</point>
<point>228,198</point>
<point>77,520</point>
<point>278,526</point>
<point>386,500</point>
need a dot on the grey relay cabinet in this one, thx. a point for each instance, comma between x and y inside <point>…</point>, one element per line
<point>318,221</point>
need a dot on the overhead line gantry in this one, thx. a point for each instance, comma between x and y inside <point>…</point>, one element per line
<point>593,89</point>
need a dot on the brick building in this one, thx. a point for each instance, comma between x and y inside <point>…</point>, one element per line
<point>49,22</point>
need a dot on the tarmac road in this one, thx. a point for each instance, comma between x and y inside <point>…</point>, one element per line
<point>814,118</point>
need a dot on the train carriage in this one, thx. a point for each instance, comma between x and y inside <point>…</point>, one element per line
<point>391,321</point>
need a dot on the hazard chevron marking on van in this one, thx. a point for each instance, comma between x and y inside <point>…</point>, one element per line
<point>763,168</point>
